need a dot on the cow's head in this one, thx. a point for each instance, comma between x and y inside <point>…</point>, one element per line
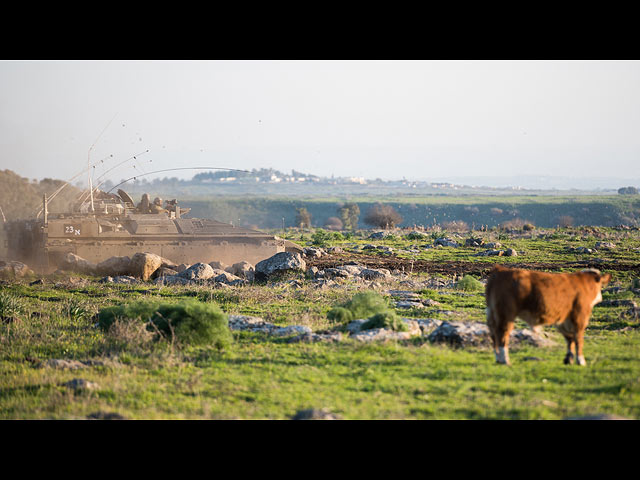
<point>598,277</point>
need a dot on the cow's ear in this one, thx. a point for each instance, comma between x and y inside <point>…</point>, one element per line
<point>606,278</point>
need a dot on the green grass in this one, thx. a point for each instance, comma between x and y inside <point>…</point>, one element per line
<point>260,377</point>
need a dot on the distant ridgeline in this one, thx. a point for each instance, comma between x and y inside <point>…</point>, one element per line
<point>267,198</point>
<point>541,211</point>
<point>21,198</point>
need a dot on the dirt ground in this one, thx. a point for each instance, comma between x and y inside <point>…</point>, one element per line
<point>454,268</point>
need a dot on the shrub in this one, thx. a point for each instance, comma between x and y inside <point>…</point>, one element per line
<point>303,218</point>
<point>340,315</point>
<point>123,336</point>
<point>191,321</point>
<point>11,305</point>
<point>333,223</point>
<point>320,238</point>
<point>565,221</point>
<point>382,216</point>
<point>469,283</point>
<point>362,305</point>
<point>628,191</point>
<point>76,310</point>
<point>387,319</point>
<point>457,226</point>
<point>349,214</point>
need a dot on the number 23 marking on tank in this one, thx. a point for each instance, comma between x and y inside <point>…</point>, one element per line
<point>71,230</point>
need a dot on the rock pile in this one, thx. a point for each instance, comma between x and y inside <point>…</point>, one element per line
<point>148,266</point>
<point>445,242</point>
<point>509,252</point>
<point>408,299</point>
<point>454,333</point>
<point>348,272</point>
<point>257,324</point>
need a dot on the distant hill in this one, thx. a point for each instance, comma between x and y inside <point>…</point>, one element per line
<point>22,198</point>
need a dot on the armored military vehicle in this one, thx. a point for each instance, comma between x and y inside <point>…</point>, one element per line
<point>113,225</point>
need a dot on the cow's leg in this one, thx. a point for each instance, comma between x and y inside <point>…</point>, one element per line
<point>579,342</point>
<point>502,332</point>
<point>568,358</point>
<point>492,331</point>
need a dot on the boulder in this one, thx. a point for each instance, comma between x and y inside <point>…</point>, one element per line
<point>280,262</point>
<point>122,279</point>
<point>143,265</point>
<point>218,265</point>
<point>489,253</point>
<point>14,269</point>
<point>172,280</point>
<point>243,270</point>
<point>445,242</point>
<point>164,272</point>
<point>473,242</point>
<point>114,266</point>
<point>75,263</point>
<point>197,271</point>
<point>313,252</point>
<point>374,273</point>
<point>315,414</point>
<point>379,235</point>
<point>227,278</point>
<point>462,334</point>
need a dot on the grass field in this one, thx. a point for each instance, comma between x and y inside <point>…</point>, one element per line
<point>138,374</point>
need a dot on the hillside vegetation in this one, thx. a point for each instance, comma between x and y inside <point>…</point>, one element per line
<point>475,211</point>
<point>22,198</point>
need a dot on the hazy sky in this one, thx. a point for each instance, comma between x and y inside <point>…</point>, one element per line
<point>388,119</point>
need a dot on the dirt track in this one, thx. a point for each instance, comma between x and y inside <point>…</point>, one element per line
<point>456,268</point>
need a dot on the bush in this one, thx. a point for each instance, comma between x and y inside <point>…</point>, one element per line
<point>320,238</point>
<point>457,226</point>
<point>469,284</point>
<point>303,218</point>
<point>333,223</point>
<point>76,310</point>
<point>362,305</point>
<point>388,320</point>
<point>190,322</point>
<point>11,305</point>
<point>383,216</point>
<point>340,315</point>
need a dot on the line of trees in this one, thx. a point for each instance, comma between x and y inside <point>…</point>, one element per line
<point>380,216</point>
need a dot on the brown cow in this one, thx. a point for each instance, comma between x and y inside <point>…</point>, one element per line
<point>538,298</point>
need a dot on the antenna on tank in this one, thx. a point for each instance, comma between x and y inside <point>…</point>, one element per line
<point>89,161</point>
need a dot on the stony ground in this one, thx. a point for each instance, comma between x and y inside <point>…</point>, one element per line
<point>289,360</point>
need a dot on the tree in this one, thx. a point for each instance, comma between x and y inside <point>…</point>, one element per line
<point>382,216</point>
<point>303,218</point>
<point>333,223</point>
<point>349,214</point>
<point>628,191</point>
